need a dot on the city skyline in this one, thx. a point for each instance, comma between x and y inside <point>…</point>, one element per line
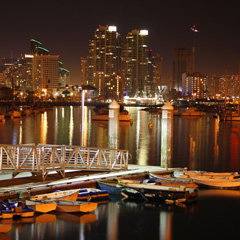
<point>65,30</point>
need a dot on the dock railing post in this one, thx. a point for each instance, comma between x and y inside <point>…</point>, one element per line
<point>166,135</point>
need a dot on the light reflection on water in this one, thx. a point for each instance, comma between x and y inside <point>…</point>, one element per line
<point>201,143</point>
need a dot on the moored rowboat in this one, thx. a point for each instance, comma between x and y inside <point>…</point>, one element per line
<point>64,195</point>
<point>155,192</point>
<point>75,206</point>
<point>226,180</point>
<point>42,206</point>
<point>92,194</point>
<point>217,182</point>
<point>110,186</point>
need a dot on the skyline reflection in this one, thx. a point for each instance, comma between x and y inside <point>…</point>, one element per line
<point>198,143</point>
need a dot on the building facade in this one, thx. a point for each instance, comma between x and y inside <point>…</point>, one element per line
<point>45,72</point>
<point>135,60</point>
<point>182,63</point>
<point>104,61</point>
<point>195,86</point>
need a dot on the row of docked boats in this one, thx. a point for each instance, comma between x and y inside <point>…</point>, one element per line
<point>68,201</point>
<point>170,186</point>
<point>222,180</point>
<point>164,187</point>
<point>152,190</point>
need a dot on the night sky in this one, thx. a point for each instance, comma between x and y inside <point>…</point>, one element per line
<point>64,28</point>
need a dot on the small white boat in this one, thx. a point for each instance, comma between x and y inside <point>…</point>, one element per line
<point>191,174</point>
<point>168,180</point>
<point>105,117</point>
<point>75,206</point>
<point>65,195</point>
<point>213,179</point>
<point>222,183</point>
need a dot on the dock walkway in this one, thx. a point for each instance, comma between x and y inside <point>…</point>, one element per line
<point>42,159</point>
<point>25,182</point>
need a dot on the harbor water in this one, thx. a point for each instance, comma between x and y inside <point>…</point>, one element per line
<point>199,143</point>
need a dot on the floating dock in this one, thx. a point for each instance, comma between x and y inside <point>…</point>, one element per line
<point>24,182</point>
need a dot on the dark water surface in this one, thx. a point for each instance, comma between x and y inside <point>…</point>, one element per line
<point>198,143</point>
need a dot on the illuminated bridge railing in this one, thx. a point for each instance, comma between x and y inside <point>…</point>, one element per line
<point>42,159</point>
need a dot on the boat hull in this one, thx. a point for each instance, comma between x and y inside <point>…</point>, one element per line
<point>42,207</point>
<point>64,195</point>
<point>75,206</point>
<point>92,195</point>
<point>160,193</point>
<point>111,187</point>
<point>217,183</point>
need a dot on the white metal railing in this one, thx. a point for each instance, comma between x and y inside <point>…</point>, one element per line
<point>43,158</point>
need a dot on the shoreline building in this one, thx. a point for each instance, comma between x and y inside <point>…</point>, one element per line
<point>135,60</point>
<point>157,74</point>
<point>47,72</point>
<point>221,85</point>
<point>104,62</point>
<point>182,63</point>
<point>195,85</point>
<point>120,67</point>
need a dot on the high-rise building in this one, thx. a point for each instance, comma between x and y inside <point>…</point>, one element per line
<point>23,72</point>
<point>104,60</point>
<point>45,72</point>
<point>195,85</point>
<point>116,66</point>
<point>182,63</point>
<point>84,71</point>
<point>135,59</point>
<point>45,68</point>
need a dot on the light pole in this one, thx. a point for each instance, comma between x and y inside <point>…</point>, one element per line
<point>194,30</point>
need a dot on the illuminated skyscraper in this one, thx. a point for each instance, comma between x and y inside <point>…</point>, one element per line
<point>182,63</point>
<point>104,60</point>
<point>195,85</point>
<point>84,71</point>
<point>135,62</point>
<point>45,72</point>
<point>48,71</point>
